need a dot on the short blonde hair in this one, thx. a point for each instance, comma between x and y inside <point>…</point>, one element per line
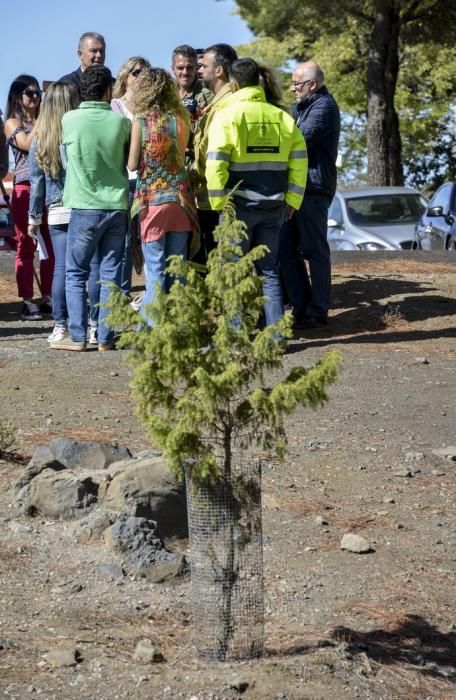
<point>120,87</point>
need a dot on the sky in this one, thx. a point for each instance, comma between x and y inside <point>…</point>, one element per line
<point>44,41</point>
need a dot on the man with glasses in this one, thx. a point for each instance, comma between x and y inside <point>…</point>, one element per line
<point>305,234</point>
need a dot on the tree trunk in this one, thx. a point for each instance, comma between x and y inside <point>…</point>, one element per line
<point>383,136</point>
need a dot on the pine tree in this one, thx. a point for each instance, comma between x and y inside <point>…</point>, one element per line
<point>202,394</point>
<point>200,372</point>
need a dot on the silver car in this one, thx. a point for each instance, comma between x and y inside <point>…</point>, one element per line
<point>436,230</point>
<point>375,218</point>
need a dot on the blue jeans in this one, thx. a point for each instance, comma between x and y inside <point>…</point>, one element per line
<point>88,230</point>
<point>127,260</point>
<point>59,236</point>
<point>263,228</point>
<point>127,264</point>
<point>155,255</point>
<point>305,236</point>
<point>93,289</point>
<point>59,243</point>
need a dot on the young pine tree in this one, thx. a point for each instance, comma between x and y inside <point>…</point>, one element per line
<point>200,373</point>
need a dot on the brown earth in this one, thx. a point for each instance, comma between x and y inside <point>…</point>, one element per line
<point>338,624</point>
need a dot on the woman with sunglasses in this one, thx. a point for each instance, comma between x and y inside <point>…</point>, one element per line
<point>122,103</point>
<point>23,106</point>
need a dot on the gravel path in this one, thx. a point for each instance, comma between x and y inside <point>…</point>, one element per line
<point>371,626</point>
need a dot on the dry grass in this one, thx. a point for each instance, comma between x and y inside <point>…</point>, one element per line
<point>169,631</point>
<point>392,317</point>
<point>297,505</point>
<point>391,267</point>
<point>13,558</point>
<point>397,642</point>
<point>103,435</point>
<point>306,507</point>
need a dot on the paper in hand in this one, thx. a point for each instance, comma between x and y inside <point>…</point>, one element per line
<point>42,250</point>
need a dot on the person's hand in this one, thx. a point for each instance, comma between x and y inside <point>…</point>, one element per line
<point>32,232</point>
<point>289,211</point>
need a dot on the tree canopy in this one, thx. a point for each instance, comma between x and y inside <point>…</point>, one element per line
<point>391,66</point>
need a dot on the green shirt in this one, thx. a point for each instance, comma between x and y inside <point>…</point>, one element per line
<point>96,142</point>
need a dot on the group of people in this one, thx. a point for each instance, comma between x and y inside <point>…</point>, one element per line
<point>98,161</point>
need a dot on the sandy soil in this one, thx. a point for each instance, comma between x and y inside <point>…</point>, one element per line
<point>341,625</point>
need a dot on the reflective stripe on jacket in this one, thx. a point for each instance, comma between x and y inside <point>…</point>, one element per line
<point>200,137</point>
<point>256,148</point>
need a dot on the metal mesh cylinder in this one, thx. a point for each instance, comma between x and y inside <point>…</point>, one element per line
<point>227,564</point>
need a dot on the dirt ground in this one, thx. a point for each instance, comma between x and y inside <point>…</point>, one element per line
<point>338,625</point>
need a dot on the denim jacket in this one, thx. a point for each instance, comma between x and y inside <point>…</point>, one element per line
<point>44,189</point>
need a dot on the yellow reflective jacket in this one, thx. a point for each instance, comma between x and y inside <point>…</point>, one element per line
<point>200,137</point>
<point>257,148</point>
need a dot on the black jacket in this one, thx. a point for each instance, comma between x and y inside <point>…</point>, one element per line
<point>318,118</point>
<point>74,79</point>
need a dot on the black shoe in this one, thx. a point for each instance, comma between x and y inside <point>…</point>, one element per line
<point>45,309</point>
<point>310,322</point>
<point>30,312</point>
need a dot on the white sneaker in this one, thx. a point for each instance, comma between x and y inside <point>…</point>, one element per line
<point>58,333</point>
<point>136,302</point>
<point>93,335</point>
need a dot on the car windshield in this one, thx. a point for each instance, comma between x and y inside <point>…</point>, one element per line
<point>385,209</point>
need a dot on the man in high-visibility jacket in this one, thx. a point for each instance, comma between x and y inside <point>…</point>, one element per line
<point>214,74</point>
<point>258,148</point>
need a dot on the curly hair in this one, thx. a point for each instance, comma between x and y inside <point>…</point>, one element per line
<point>155,91</point>
<point>95,80</point>
<point>60,98</point>
<point>14,102</point>
<point>131,64</point>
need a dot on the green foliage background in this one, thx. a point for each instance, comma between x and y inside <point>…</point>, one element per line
<point>336,35</point>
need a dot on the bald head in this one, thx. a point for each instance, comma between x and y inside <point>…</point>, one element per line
<point>307,78</point>
<point>311,71</point>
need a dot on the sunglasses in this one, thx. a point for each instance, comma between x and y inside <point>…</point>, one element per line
<point>136,72</point>
<point>32,93</point>
<point>297,83</point>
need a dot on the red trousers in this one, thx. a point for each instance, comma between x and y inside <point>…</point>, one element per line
<point>25,246</point>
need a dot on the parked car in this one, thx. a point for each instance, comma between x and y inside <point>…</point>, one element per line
<point>375,218</point>
<point>7,240</point>
<point>436,229</point>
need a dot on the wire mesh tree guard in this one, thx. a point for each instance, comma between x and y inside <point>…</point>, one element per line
<point>226,547</point>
